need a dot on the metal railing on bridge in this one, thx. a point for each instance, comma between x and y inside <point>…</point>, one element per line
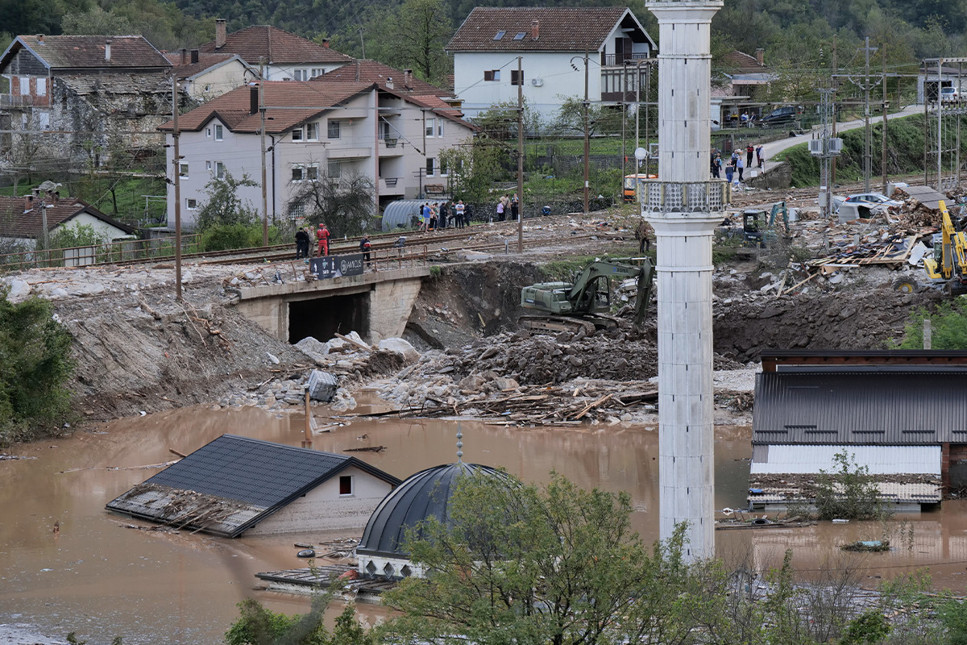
<point>122,251</point>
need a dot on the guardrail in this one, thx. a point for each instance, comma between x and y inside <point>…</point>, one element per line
<point>105,253</point>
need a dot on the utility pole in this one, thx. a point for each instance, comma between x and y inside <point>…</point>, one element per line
<point>176,154</point>
<point>265,196</point>
<point>587,141</point>
<point>883,168</point>
<point>835,85</point>
<point>520,155</point>
<point>648,121</point>
<point>867,136</point>
<point>624,118</point>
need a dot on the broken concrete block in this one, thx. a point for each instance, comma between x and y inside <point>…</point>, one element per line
<point>399,347</point>
<point>322,386</point>
<point>313,348</point>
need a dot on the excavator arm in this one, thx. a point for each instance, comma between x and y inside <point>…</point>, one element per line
<point>584,292</point>
<point>950,259</point>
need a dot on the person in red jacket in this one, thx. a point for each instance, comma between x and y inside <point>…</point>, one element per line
<point>323,236</point>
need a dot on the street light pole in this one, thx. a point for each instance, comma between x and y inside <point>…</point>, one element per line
<point>587,142</point>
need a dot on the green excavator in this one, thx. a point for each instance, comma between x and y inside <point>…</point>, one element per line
<point>585,303</point>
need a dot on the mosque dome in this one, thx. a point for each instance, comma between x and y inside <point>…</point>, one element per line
<point>421,496</point>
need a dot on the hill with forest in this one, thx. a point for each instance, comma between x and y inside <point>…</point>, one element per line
<point>412,33</point>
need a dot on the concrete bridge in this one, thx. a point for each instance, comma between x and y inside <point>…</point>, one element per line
<point>376,305</point>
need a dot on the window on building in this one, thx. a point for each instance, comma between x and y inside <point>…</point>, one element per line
<point>298,173</point>
<point>439,127</point>
<point>499,35</point>
<point>491,74</point>
<point>318,71</point>
<point>312,131</point>
<point>345,484</point>
<point>24,86</point>
<point>334,170</point>
<point>219,132</point>
<point>301,74</point>
<point>191,204</point>
<point>41,87</point>
<point>430,166</point>
<point>208,132</point>
<point>219,170</point>
<point>297,134</point>
<point>520,35</point>
<point>443,168</point>
<point>332,129</point>
<point>182,169</point>
<point>516,77</point>
<point>312,172</point>
<point>430,127</point>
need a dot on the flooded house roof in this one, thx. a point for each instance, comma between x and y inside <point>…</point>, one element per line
<point>233,483</point>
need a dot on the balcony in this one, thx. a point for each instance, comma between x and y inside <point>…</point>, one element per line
<point>666,197</point>
<point>618,60</point>
<point>391,186</point>
<point>11,101</point>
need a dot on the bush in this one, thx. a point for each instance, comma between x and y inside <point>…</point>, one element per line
<point>225,237</point>
<point>948,323</point>
<point>35,364</point>
<point>849,493</point>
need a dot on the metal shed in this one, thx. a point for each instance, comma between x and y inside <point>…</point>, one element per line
<point>402,214</point>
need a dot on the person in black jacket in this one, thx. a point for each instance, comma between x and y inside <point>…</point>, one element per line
<point>301,244</point>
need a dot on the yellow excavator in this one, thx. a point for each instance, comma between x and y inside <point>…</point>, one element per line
<point>949,261</point>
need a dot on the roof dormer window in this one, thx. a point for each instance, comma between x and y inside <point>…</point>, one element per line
<point>500,34</point>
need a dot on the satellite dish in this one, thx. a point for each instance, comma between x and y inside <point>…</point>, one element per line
<point>640,154</point>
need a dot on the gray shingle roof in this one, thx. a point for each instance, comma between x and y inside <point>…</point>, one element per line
<point>856,405</point>
<point>78,52</point>
<point>234,482</point>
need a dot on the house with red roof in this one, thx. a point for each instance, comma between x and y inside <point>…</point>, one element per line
<point>92,94</point>
<point>314,130</point>
<point>281,55</point>
<point>30,221</point>
<point>551,44</point>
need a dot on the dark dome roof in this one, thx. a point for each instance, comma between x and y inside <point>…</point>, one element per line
<point>423,495</point>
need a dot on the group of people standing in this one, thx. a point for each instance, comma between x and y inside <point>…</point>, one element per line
<point>442,215</point>
<point>739,161</point>
<point>505,203</point>
<point>303,241</point>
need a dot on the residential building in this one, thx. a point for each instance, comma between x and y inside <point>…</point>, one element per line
<point>82,99</point>
<point>551,45</point>
<point>280,55</point>
<point>235,485</point>
<point>740,85</point>
<point>28,222</point>
<point>203,76</point>
<point>896,413</point>
<point>313,130</point>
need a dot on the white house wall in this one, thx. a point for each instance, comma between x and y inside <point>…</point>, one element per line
<point>323,508</point>
<point>551,70</point>
<point>881,460</point>
<point>101,228</point>
<point>219,80</point>
<point>287,71</point>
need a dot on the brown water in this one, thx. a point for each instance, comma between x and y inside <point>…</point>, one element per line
<point>97,576</point>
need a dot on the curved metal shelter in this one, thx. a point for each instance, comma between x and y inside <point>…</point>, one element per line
<point>401,214</point>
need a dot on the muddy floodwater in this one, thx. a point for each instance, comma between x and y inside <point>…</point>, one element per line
<point>66,564</point>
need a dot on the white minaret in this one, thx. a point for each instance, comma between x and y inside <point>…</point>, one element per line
<point>683,206</point>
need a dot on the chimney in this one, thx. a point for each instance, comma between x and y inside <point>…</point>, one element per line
<point>107,50</point>
<point>535,29</point>
<point>325,43</point>
<point>253,98</point>
<point>40,39</point>
<point>407,77</point>
<point>389,82</point>
<point>194,55</point>
<point>184,56</point>
<point>28,203</point>
<point>760,56</point>
<point>220,33</point>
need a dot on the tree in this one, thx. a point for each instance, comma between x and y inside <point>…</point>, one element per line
<point>35,364</point>
<point>344,204</point>
<point>518,564</point>
<point>849,493</point>
<point>224,207</point>
<point>472,168</point>
<point>258,626</point>
<point>420,31</point>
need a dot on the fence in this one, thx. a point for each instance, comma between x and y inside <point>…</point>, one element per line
<point>105,253</point>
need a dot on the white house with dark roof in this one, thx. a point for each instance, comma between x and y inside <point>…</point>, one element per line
<point>204,76</point>
<point>23,220</point>
<point>235,485</point>
<point>551,43</point>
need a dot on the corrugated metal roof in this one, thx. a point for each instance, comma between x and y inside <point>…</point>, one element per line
<point>853,407</point>
<point>888,460</point>
<point>233,482</point>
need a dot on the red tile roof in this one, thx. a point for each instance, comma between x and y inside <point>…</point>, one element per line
<point>276,46</point>
<point>742,62</point>
<point>20,223</point>
<point>560,29</point>
<point>60,52</point>
<point>288,103</point>
<point>371,71</point>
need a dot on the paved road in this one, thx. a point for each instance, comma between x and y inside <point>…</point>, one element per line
<point>772,148</point>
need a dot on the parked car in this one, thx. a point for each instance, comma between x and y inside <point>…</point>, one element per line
<point>779,116</point>
<point>949,94</point>
<point>872,201</point>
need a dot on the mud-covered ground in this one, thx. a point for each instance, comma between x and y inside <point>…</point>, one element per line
<point>140,350</point>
